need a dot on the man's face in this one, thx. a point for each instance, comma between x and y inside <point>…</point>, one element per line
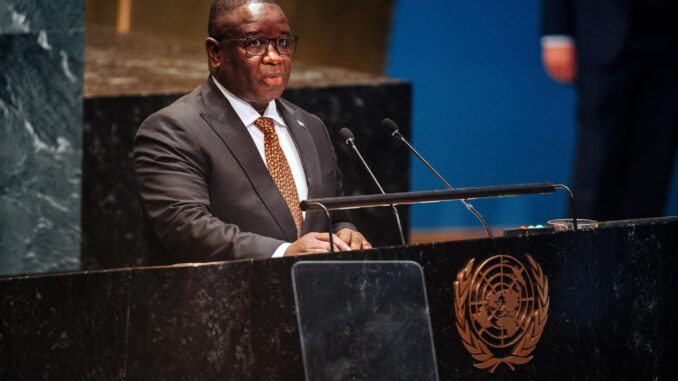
<point>254,79</point>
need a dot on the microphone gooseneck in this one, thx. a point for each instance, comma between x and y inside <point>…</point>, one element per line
<point>350,141</point>
<point>393,129</point>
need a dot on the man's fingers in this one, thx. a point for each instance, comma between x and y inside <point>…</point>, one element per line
<point>315,243</point>
<point>354,239</point>
<point>339,244</point>
<point>356,242</point>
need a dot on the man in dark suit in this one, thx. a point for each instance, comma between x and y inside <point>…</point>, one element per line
<point>622,56</point>
<point>222,170</point>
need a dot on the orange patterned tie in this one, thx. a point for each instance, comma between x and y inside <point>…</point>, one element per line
<point>280,169</point>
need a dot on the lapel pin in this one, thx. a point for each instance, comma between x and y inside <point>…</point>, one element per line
<point>301,124</point>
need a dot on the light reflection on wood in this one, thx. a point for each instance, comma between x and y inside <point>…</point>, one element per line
<point>124,19</point>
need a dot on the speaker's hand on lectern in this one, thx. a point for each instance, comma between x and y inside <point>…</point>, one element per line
<point>353,238</point>
<point>315,243</point>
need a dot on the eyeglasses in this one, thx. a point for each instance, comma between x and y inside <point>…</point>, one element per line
<point>257,46</point>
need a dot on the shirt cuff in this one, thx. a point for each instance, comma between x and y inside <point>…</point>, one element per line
<point>280,251</point>
<point>557,41</point>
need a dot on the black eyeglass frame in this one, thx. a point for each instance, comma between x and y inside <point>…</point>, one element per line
<point>242,42</point>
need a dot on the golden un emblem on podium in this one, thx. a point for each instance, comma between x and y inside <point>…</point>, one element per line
<point>501,307</point>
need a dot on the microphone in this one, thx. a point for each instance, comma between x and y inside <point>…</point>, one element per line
<point>350,141</point>
<point>392,127</point>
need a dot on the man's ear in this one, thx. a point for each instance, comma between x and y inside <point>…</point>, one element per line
<point>213,50</point>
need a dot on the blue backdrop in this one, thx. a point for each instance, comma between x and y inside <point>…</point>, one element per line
<point>484,111</point>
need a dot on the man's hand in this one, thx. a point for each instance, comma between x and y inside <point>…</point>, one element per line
<point>356,240</point>
<point>315,243</point>
<point>560,62</point>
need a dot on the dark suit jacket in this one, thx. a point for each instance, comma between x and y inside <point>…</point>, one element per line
<point>205,191</point>
<point>599,27</point>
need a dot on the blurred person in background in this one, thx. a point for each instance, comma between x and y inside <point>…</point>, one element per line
<point>622,56</point>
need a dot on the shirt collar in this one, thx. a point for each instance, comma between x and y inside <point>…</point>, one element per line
<point>245,111</point>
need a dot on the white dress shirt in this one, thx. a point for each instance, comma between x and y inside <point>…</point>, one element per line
<point>248,115</point>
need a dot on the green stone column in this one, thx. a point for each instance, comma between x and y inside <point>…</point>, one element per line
<point>41,82</point>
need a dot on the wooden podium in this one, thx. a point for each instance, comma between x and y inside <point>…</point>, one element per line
<point>593,304</point>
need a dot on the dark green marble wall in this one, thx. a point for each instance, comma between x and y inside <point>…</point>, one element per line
<point>41,81</point>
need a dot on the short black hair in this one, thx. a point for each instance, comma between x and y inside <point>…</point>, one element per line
<point>221,7</point>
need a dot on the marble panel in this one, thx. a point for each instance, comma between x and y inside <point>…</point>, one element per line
<point>41,71</point>
<point>111,214</point>
<point>34,16</point>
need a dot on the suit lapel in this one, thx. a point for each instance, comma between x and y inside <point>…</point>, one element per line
<point>307,152</point>
<point>221,117</point>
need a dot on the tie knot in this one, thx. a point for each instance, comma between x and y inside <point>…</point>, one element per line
<point>265,125</point>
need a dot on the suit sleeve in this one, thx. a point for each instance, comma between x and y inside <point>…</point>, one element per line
<point>171,172</point>
<point>557,17</point>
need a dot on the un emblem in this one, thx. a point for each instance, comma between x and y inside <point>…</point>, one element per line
<point>501,309</point>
